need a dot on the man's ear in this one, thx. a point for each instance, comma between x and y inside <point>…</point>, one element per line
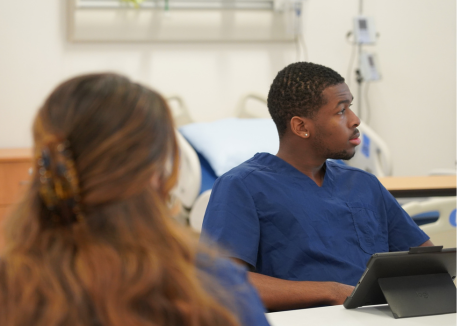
<point>299,126</point>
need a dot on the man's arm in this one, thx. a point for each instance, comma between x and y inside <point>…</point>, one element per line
<point>278,294</point>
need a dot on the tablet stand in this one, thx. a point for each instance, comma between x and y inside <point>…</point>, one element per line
<point>419,295</point>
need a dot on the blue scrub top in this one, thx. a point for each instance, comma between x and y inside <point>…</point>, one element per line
<point>270,215</point>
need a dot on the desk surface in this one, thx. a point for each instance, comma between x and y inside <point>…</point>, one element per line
<point>423,186</point>
<point>340,316</point>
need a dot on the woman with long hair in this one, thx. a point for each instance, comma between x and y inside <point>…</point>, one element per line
<point>93,243</point>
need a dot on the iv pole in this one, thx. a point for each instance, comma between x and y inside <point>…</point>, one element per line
<point>358,73</point>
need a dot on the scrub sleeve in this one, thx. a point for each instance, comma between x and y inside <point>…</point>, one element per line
<point>232,220</point>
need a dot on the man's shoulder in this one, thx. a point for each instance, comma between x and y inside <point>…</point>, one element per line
<point>254,165</point>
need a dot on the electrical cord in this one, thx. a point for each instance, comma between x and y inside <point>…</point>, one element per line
<point>367,102</point>
<point>305,49</point>
<point>351,60</point>
<point>301,49</point>
<point>297,47</point>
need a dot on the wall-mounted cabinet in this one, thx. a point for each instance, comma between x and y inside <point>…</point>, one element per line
<point>181,21</point>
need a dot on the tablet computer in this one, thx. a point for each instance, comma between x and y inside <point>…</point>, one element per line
<point>396,267</point>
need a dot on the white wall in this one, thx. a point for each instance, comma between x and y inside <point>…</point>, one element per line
<point>413,107</point>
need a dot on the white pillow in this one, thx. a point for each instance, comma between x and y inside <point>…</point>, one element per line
<point>229,142</point>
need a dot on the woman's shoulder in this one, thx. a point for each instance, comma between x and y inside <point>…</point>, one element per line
<point>224,270</point>
<point>232,279</point>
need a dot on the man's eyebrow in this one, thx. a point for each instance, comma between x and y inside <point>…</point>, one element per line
<point>344,102</point>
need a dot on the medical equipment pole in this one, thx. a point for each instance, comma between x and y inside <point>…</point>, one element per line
<point>359,79</point>
<point>358,73</point>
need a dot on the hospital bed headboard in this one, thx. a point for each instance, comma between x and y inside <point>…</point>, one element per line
<point>179,111</point>
<point>257,110</point>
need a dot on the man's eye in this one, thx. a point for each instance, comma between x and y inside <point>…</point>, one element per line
<point>342,111</point>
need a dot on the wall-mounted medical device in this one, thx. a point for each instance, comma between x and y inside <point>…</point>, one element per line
<point>364,30</point>
<point>369,66</point>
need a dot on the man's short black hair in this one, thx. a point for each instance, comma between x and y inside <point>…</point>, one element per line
<point>297,91</point>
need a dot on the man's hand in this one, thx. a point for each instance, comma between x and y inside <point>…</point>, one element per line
<point>341,292</point>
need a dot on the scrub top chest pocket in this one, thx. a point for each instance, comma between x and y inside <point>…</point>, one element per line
<point>370,230</point>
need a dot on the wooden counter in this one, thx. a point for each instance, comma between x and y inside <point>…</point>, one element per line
<point>422,186</point>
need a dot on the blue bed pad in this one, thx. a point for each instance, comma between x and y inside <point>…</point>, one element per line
<point>426,217</point>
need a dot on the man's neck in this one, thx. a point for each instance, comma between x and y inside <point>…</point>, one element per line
<point>304,161</point>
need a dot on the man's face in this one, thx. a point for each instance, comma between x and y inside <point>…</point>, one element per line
<point>335,125</point>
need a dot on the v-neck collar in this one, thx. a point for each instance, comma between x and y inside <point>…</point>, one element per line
<point>282,167</point>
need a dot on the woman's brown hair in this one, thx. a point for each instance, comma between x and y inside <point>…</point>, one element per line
<point>92,242</point>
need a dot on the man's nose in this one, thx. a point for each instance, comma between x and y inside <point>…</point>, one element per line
<point>354,119</point>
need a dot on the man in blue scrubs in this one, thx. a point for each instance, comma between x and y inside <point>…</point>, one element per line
<point>305,226</point>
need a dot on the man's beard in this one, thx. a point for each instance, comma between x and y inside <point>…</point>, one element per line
<point>343,155</point>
